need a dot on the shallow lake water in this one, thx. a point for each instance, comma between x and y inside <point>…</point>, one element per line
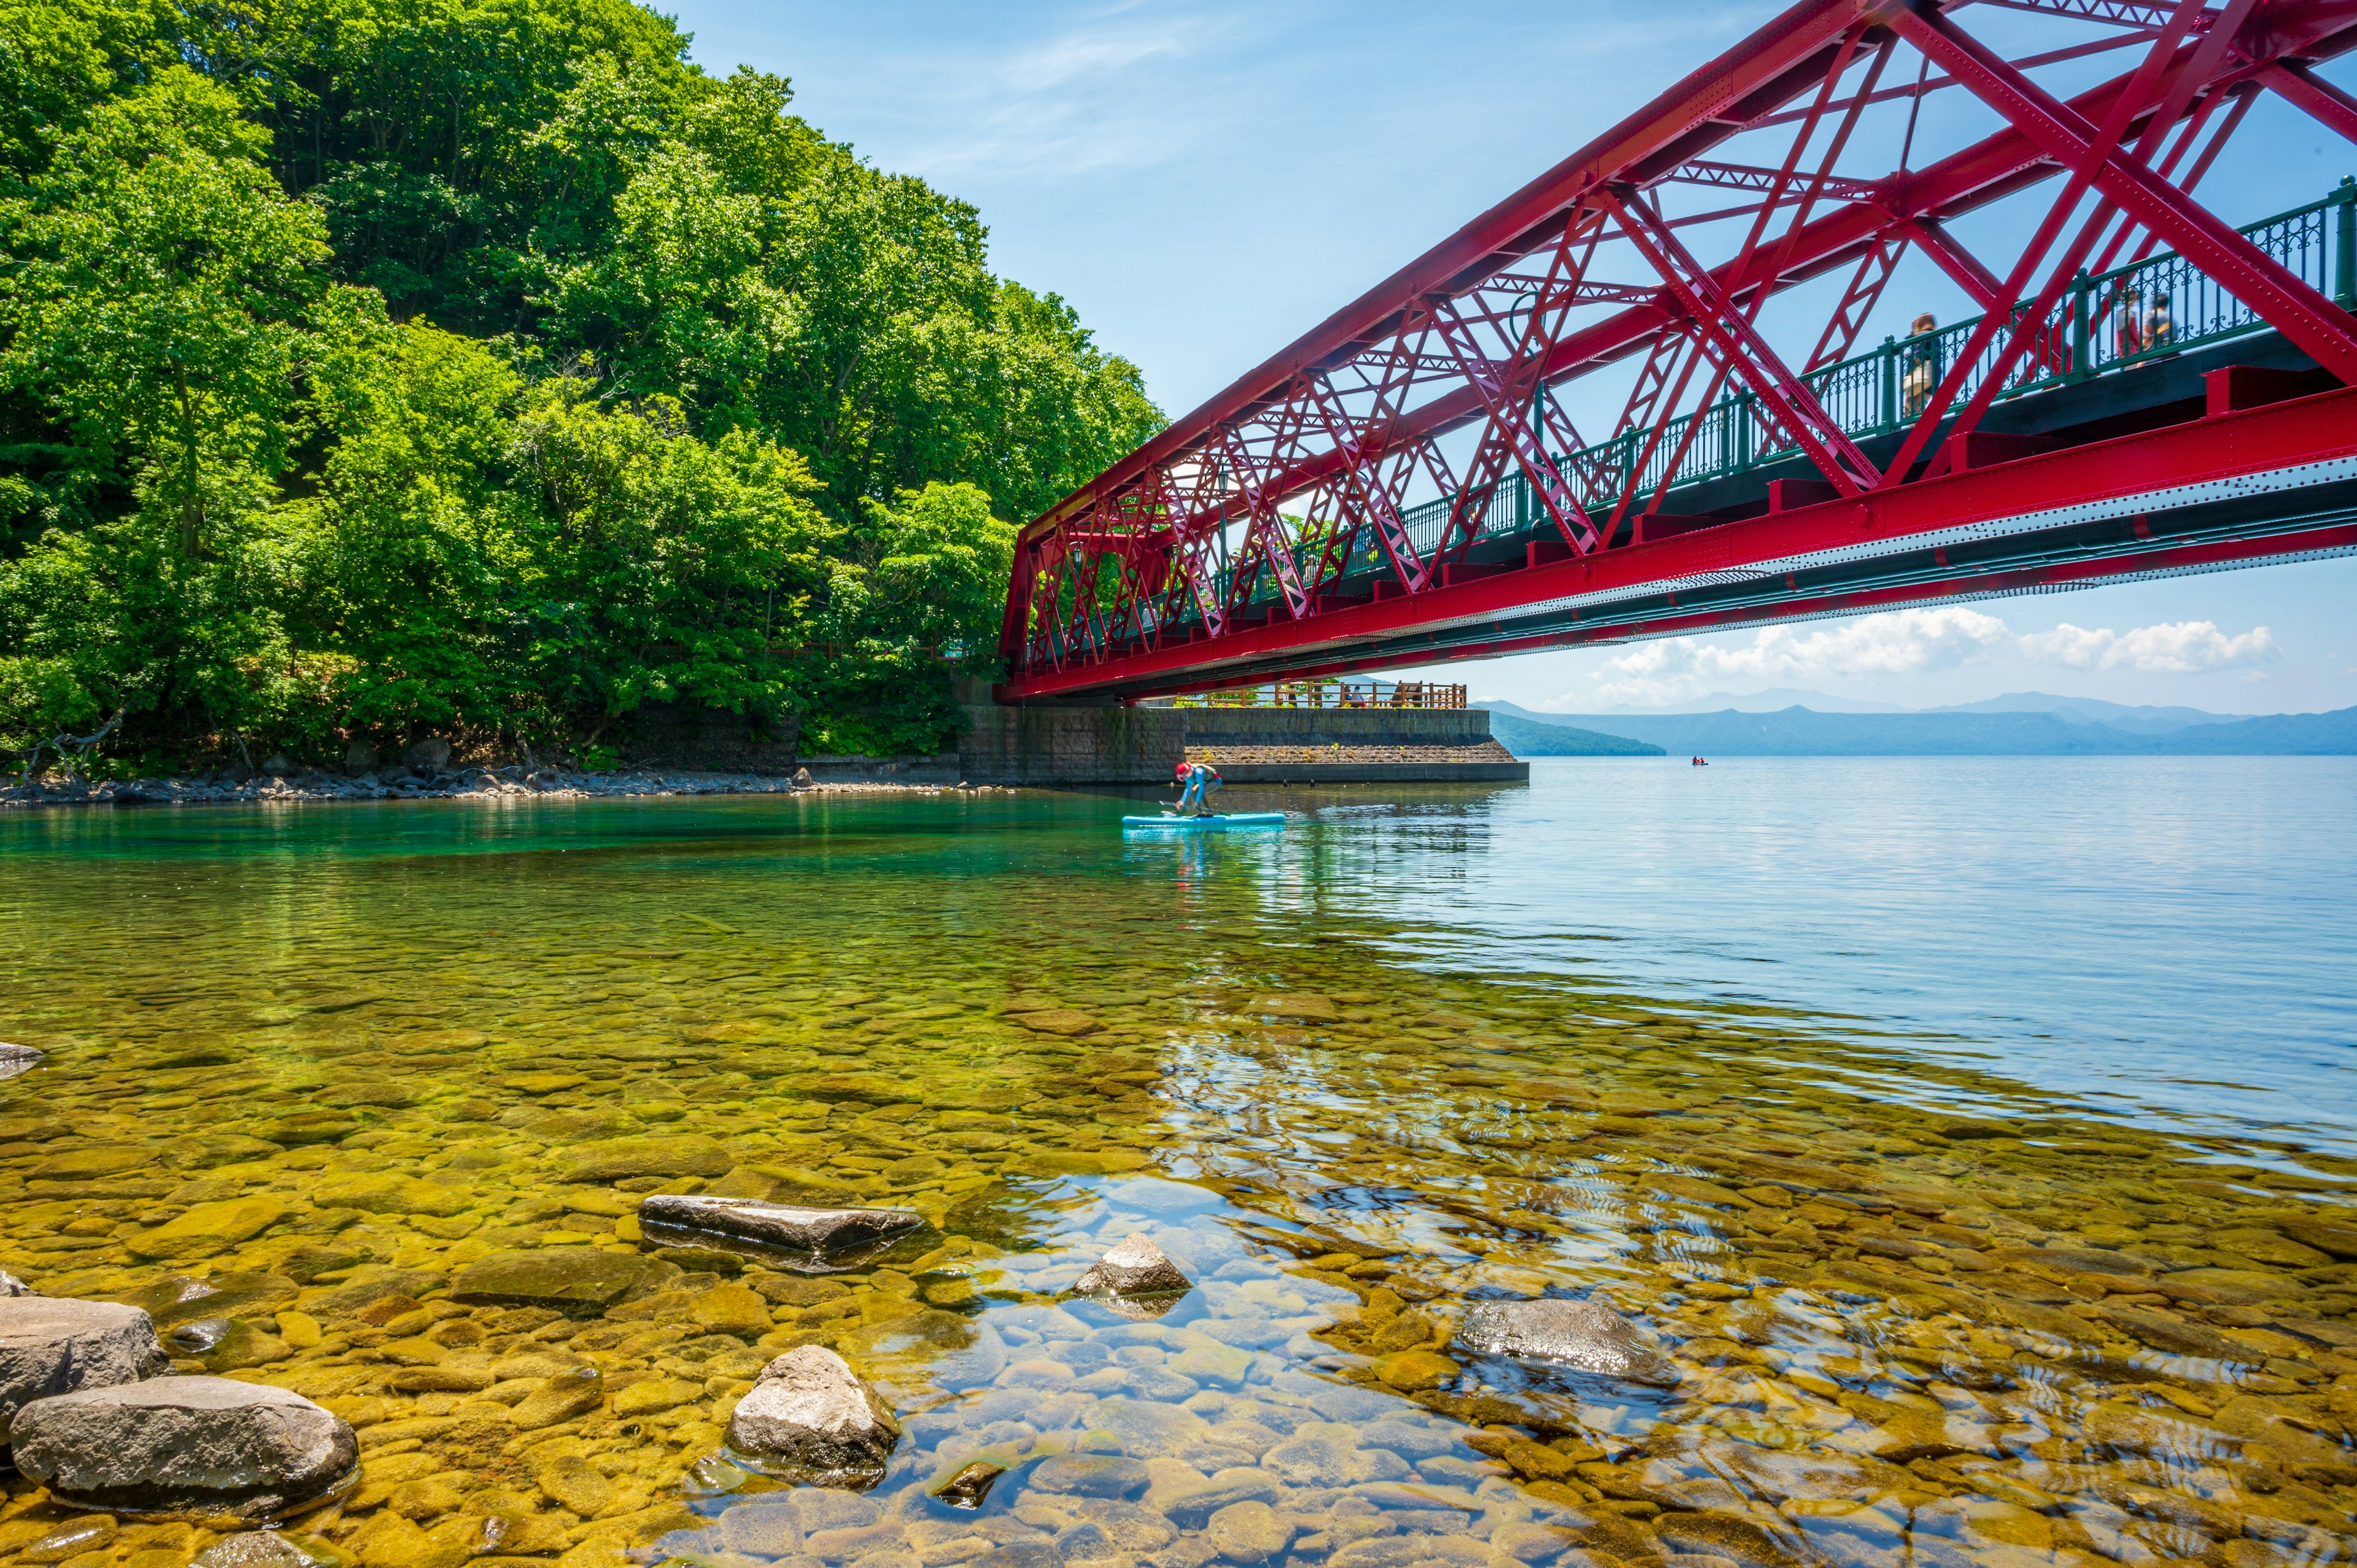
<point>1978,1146</point>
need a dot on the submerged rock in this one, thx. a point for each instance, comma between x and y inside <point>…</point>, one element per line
<point>580,1280</point>
<point>618,1159</point>
<point>1585,1334</point>
<point>812,1418</point>
<point>198,1445</point>
<point>50,1347</point>
<point>14,1059</point>
<point>806,1236</point>
<point>255,1549</point>
<point>177,1298</point>
<point>1136,1267</point>
<point>970,1488</point>
<point>2324,1235</point>
<point>209,1228</point>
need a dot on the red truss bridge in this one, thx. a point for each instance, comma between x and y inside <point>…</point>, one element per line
<point>2149,388</point>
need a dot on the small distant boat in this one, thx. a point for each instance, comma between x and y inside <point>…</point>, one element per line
<point>1699,762</point>
<point>1225,820</point>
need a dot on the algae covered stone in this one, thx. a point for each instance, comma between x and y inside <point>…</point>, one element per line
<point>255,1549</point>
<point>210,1227</point>
<point>580,1280</point>
<point>970,1488</point>
<point>384,1193</point>
<point>811,1417</point>
<point>618,1159</point>
<point>202,1445</point>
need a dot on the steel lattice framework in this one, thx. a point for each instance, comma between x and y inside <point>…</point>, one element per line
<point>1403,483</point>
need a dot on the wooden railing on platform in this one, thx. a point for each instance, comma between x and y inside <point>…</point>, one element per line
<point>1333,694</point>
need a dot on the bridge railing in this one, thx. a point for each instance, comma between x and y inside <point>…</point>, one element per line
<point>2109,321</point>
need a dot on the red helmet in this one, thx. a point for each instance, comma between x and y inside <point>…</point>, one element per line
<point>1181,772</point>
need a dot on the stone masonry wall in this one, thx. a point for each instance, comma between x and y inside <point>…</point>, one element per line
<point>1335,726</point>
<point>1072,746</point>
<point>666,734</point>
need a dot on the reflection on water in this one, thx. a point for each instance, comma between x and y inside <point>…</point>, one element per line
<point>318,1075</point>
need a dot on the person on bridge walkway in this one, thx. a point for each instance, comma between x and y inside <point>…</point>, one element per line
<point>1197,780</point>
<point>1920,363</point>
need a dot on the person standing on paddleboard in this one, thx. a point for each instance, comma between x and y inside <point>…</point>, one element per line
<point>1196,781</point>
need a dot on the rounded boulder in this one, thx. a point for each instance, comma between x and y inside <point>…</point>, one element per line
<point>201,1445</point>
<point>812,1417</point>
<point>51,1346</point>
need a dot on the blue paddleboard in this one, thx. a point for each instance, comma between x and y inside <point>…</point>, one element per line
<point>1232,820</point>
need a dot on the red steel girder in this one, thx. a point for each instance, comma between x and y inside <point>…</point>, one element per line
<point>2151,14</point>
<point>1731,340</point>
<point>2320,329</point>
<point>1749,177</point>
<point>1337,414</point>
<point>1986,171</point>
<point>2273,439</point>
<point>2296,84</point>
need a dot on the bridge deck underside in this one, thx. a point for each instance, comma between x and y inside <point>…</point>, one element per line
<point>2138,480</point>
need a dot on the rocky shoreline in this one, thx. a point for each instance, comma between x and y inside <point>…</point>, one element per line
<point>510,783</point>
<point>97,1411</point>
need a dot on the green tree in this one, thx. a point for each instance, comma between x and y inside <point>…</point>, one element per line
<point>160,310</point>
<point>482,365</point>
<point>661,567</point>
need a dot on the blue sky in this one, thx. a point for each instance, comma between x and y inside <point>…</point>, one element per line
<point>1206,179</point>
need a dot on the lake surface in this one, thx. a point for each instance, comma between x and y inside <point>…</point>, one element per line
<point>1973,1137</point>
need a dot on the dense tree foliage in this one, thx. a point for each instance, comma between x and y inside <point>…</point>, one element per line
<point>484,368</point>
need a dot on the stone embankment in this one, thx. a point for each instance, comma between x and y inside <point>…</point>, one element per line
<point>1351,745</point>
<point>516,783</point>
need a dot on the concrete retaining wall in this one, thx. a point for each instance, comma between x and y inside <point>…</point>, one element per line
<point>1102,745</point>
<point>1072,746</point>
<point>666,734</point>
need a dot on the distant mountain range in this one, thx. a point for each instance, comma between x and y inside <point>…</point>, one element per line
<point>2003,726</point>
<point>1776,699</point>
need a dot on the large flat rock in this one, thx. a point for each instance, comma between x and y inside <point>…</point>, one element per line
<point>818,1232</point>
<point>198,1445</point>
<point>579,1281</point>
<point>50,1347</point>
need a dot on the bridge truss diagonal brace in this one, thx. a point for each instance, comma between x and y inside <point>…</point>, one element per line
<point>2312,322</point>
<point>1266,534</point>
<point>1727,335</point>
<point>2324,102</point>
<point>1190,557</point>
<point>1360,479</point>
<point>1503,399</point>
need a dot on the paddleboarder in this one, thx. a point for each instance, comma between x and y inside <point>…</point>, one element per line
<point>1196,781</point>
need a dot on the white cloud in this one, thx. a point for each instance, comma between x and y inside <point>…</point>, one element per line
<point>1898,643</point>
<point>2172,648</point>
<point>1911,642</point>
<point>1119,88</point>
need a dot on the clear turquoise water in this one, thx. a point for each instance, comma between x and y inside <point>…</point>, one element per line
<point>1695,1040</point>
